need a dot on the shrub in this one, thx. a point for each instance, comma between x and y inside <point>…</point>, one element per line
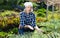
<point>9,19</point>
<point>41,12</point>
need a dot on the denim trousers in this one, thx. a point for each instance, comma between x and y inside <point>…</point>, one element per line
<point>24,30</point>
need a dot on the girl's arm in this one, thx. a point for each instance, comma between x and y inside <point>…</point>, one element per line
<point>38,29</point>
<point>21,20</point>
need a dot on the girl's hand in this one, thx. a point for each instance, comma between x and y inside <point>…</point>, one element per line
<point>30,27</point>
<point>39,30</point>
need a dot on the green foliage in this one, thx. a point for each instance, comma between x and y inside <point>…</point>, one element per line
<point>1,1</point>
<point>51,29</point>
<point>53,25</point>
<point>6,7</point>
<point>11,2</point>
<point>41,12</point>
<point>7,4</point>
<point>34,5</point>
<point>8,17</point>
<point>13,31</point>
<point>3,35</point>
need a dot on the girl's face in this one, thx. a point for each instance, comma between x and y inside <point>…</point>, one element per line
<point>28,9</point>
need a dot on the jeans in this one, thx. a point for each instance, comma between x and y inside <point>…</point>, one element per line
<point>23,30</point>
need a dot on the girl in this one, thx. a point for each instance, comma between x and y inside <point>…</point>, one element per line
<point>27,19</point>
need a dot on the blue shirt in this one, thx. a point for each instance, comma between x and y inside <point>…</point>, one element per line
<point>27,19</point>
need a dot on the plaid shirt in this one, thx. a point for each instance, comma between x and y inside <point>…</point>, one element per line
<point>27,19</point>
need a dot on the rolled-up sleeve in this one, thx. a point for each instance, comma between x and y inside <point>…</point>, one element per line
<point>22,19</point>
<point>33,21</point>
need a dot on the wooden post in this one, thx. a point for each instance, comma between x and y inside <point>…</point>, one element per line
<point>53,10</point>
<point>47,11</point>
<point>59,7</point>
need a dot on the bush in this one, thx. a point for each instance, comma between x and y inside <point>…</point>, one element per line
<point>41,12</point>
<point>9,19</point>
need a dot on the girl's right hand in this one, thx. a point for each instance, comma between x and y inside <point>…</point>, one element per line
<point>30,27</point>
